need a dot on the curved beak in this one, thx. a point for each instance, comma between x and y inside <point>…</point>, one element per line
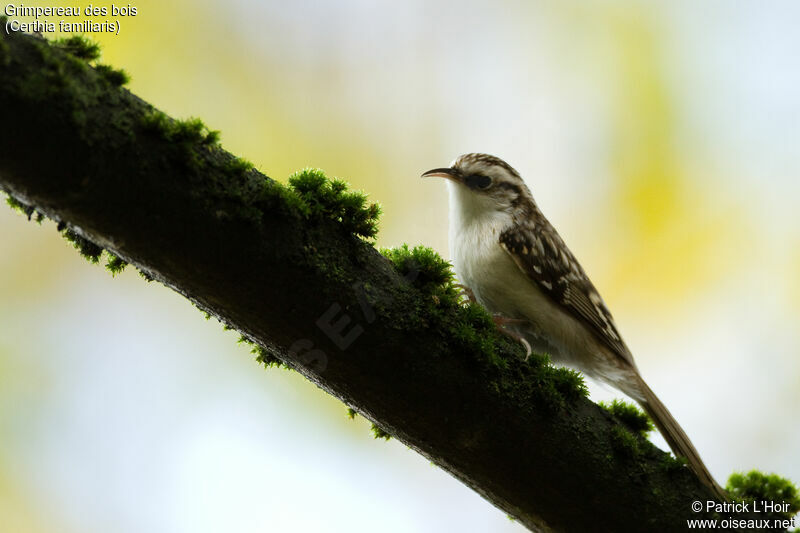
<point>449,173</point>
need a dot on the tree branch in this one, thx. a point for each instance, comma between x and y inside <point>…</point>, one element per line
<point>288,275</point>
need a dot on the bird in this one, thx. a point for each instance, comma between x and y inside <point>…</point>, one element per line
<point>511,260</point>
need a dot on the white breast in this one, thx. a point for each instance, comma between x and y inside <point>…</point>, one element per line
<point>499,285</point>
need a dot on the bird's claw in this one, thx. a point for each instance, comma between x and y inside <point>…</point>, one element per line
<point>502,321</point>
<point>466,291</point>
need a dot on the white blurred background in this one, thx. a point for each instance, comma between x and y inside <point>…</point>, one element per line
<point>661,139</point>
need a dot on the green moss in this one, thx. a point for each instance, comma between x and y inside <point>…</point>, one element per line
<point>123,123</point>
<point>434,278</point>
<point>755,486</point>
<point>211,138</point>
<point>244,193</point>
<point>115,264</point>
<point>629,415</point>
<point>79,46</point>
<point>89,250</point>
<point>28,210</point>
<point>116,77</point>
<point>189,136</point>
<point>63,81</point>
<point>331,199</point>
<point>379,433</point>
<point>472,329</point>
<point>476,316</point>
<point>238,166</point>
<point>264,357</point>
<point>25,209</point>
<point>625,443</point>
<point>427,271</point>
<point>670,463</point>
<point>145,276</point>
<point>273,193</point>
<point>191,130</point>
<point>569,383</point>
<point>156,122</point>
<point>547,386</point>
<point>86,50</point>
<point>351,413</point>
<point>5,56</point>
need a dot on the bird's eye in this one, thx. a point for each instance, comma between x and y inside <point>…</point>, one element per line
<point>478,181</point>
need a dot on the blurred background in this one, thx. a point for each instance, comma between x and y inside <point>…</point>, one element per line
<point>661,139</point>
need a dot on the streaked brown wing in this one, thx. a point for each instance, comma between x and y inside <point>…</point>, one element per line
<point>541,254</point>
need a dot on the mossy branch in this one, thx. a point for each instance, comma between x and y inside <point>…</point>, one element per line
<point>289,267</point>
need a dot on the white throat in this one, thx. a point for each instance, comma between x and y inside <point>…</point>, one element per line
<point>475,228</point>
<point>470,209</point>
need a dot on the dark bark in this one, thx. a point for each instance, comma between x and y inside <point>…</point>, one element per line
<point>78,149</point>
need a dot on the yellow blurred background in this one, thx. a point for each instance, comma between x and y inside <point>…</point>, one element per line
<point>661,139</point>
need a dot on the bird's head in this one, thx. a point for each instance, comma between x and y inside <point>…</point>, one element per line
<point>481,184</point>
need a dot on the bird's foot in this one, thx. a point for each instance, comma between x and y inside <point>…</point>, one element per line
<point>502,321</point>
<point>466,291</point>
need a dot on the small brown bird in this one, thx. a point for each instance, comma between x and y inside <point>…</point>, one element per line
<point>517,266</point>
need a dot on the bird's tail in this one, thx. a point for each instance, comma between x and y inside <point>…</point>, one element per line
<point>676,437</point>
